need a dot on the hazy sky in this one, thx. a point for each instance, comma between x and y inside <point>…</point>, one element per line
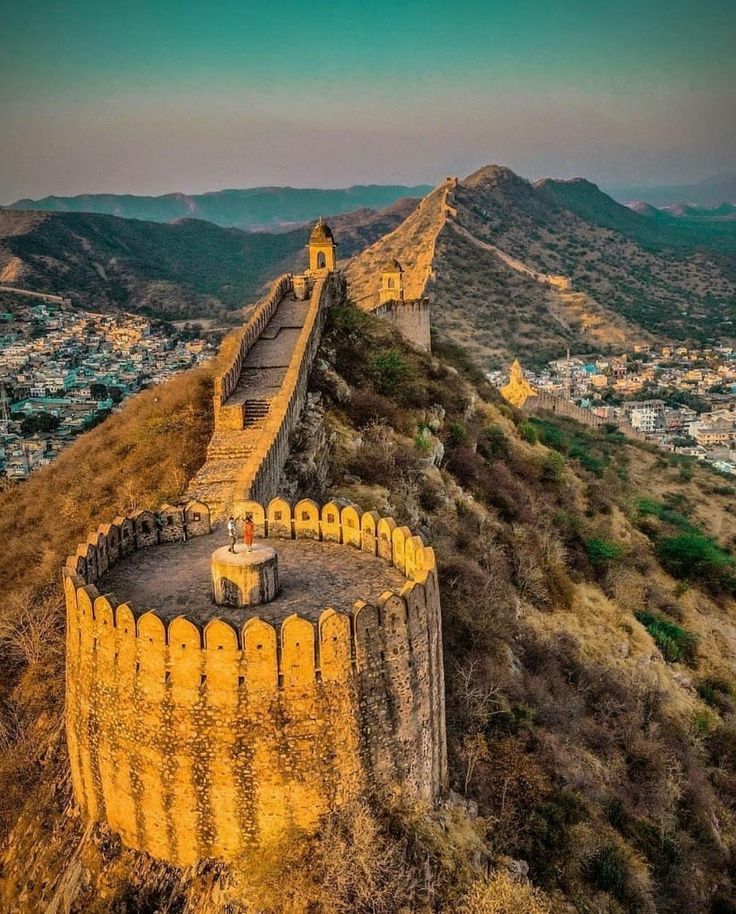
<point>109,96</point>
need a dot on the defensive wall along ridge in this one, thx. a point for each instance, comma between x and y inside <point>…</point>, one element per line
<point>258,397</point>
<point>200,740</point>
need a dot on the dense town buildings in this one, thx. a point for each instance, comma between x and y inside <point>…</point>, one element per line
<point>62,370</point>
<point>682,398</point>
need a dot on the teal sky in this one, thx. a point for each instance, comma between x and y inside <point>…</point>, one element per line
<point>192,96</point>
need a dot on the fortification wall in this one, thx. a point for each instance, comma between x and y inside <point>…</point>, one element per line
<point>411,318</point>
<point>563,407</point>
<point>231,417</point>
<point>261,471</point>
<point>197,742</point>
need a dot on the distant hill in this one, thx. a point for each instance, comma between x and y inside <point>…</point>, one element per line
<point>251,208</point>
<point>710,192</point>
<point>189,269</point>
<point>515,268</point>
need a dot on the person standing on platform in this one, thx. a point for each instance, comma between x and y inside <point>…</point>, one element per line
<point>249,529</point>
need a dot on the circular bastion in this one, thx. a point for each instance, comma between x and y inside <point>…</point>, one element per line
<point>220,702</point>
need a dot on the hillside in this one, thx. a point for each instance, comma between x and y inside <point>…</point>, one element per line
<point>515,268</point>
<point>589,606</point>
<point>185,270</point>
<point>251,208</point>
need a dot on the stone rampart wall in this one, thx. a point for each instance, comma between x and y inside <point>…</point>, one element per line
<point>196,742</point>
<point>262,469</point>
<point>227,380</point>
<point>562,407</point>
<point>411,318</point>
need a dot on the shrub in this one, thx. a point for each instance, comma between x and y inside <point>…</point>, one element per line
<point>456,432</point>
<point>696,556</point>
<point>492,442</point>
<point>389,369</point>
<point>602,552</point>
<point>716,692</point>
<point>675,643</point>
<point>528,432</point>
<point>367,407</point>
<point>500,894</point>
<point>553,464</point>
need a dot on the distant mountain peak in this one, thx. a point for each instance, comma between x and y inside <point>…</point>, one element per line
<point>493,175</point>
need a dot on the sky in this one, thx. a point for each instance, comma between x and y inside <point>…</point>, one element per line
<point>150,98</point>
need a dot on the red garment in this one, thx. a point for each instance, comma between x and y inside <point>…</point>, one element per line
<point>248,531</point>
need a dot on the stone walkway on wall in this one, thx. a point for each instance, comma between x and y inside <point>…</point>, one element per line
<point>261,379</point>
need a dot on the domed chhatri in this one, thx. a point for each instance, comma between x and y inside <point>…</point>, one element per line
<point>392,282</point>
<point>322,249</point>
<point>246,577</point>
<point>321,233</point>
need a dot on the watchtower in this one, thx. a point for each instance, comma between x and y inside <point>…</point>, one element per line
<point>392,282</point>
<point>322,249</point>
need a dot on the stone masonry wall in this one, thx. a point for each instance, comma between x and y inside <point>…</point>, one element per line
<point>197,743</point>
<point>411,318</point>
<point>563,407</point>
<point>230,417</point>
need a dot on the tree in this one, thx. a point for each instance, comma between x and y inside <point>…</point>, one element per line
<point>40,422</point>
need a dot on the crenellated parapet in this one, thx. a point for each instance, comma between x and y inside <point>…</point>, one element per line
<point>196,739</point>
<point>227,380</point>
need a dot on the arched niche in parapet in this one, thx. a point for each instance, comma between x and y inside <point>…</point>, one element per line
<point>399,538</point>
<point>105,632</point>
<point>260,656</point>
<point>127,535</point>
<point>298,662</point>
<point>76,566</point>
<point>256,511</point>
<point>394,619</point>
<point>197,519</point>
<point>330,522</point>
<point>368,644</point>
<point>415,595</point>
<point>112,535</point>
<point>369,532</point>
<point>414,547</point>
<point>350,520</point>
<point>144,527</point>
<point>89,554</point>
<point>86,597</point>
<point>385,529</point>
<point>126,645</point>
<point>334,646</point>
<point>306,519</point>
<point>151,646</point>
<point>170,524</point>
<point>99,541</point>
<point>221,660</point>
<point>185,655</point>
<point>279,518</point>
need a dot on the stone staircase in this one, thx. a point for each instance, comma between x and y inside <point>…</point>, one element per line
<point>256,412</point>
<point>229,446</point>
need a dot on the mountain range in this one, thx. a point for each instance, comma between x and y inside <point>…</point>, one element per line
<point>710,192</point>
<point>272,208</point>
<point>529,269</point>
<point>512,268</point>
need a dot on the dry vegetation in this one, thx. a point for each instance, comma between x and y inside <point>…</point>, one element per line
<point>590,694</point>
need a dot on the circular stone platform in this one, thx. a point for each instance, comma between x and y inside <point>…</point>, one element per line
<point>175,579</point>
<point>245,577</point>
